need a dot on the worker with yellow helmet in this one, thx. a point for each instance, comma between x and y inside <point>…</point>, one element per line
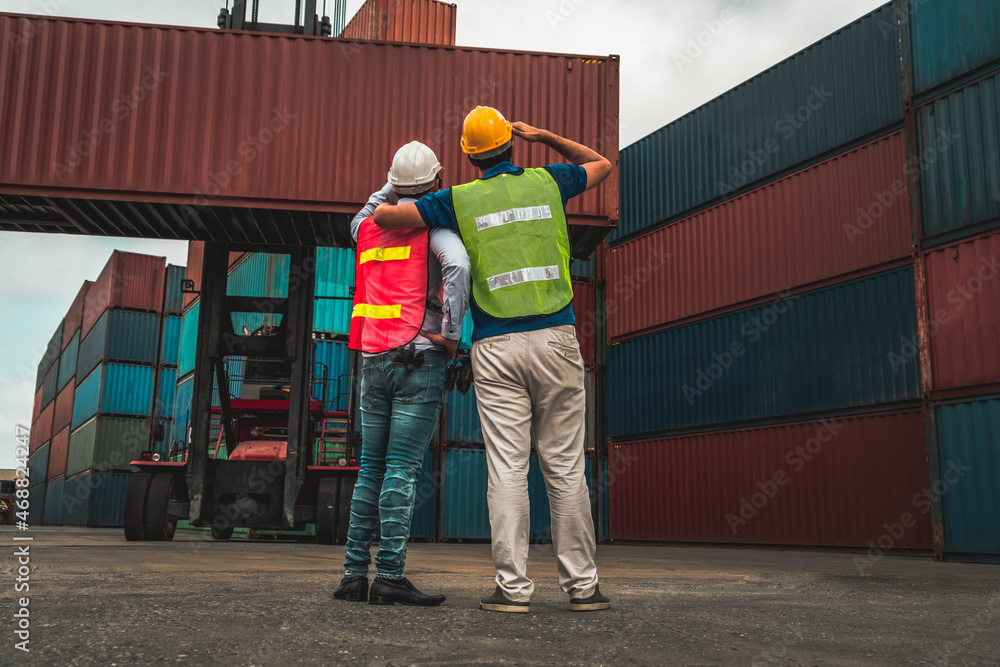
<point>525,356</point>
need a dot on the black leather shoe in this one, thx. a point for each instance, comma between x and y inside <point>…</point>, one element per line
<point>500,602</point>
<point>400,591</point>
<point>354,589</point>
<point>595,602</point>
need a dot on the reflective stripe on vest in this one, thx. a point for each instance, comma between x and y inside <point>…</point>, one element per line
<point>390,296</point>
<point>514,227</point>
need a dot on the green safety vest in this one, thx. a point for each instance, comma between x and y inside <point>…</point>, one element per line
<point>514,228</point>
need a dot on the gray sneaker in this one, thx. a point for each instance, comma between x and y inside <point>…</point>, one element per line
<point>595,602</point>
<point>500,602</point>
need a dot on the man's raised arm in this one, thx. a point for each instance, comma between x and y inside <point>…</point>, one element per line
<point>400,216</point>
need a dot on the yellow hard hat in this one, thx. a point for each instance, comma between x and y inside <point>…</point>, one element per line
<point>485,132</point>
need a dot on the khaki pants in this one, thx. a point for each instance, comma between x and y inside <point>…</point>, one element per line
<point>532,383</point>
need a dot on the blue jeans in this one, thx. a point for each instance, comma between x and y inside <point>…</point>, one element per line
<point>399,413</point>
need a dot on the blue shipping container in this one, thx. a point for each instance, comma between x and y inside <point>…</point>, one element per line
<point>114,389</point>
<point>50,357</point>
<point>332,360</point>
<point>968,435</point>
<point>959,137</point>
<point>173,295</point>
<point>76,494</point>
<point>831,94</point>
<point>53,501</point>
<point>182,412</point>
<point>463,424</point>
<point>189,340</point>
<point>950,38</point>
<point>67,361</point>
<point>465,514</point>
<point>170,343</point>
<point>166,393</point>
<point>38,465</point>
<point>36,500</point>
<point>50,385</point>
<point>119,335</point>
<point>846,346</point>
<point>424,523</point>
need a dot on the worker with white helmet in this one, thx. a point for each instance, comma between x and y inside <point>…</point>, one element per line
<point>407,332</point>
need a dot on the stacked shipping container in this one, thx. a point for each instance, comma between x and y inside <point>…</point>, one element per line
<point>761,312</point>
<point>951,61</point>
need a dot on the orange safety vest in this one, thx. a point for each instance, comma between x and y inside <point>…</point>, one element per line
<point>390,296</point>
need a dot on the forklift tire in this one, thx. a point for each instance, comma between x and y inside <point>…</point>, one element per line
<point>344,509</point>
<point>222,533</point>
<point>159,526</point>
<point>326,510</point>
<point>135,506</point>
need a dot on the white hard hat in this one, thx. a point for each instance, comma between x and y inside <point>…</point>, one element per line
<point>413,167</point>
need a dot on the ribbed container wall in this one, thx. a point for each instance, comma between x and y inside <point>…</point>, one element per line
<point>119,335</point>
<point>841,216</point>
<point>173,289</point>
<point>332,359</point>
<point>463,424</point>
<point>67,362</point>
<point>189,339</point>
<point>37,507</point>
<point>584,309</point>
<point>952,38</point>
<point>58,449</point>
<point>170,344</point>
<point>182,412</point>
<point>62,414</point>
<point>959,139</point>
<point>96,500</point>
<point>51,385</point>
<point>424,523</point>
<point>157,151</point>
<point>195,258</point>
<point>334,280</point>
<point>166,393</point>
<point>417,21</point>
<point>836,91</point>
<point>963,288</point>
<point>117,389</point>
<point>50,358</point>
<point>106,443</point>
<point>53,501</point>
<point>846,346</point>
<point>465,514</point>
<point>74,316</point>
<point>76,493</point>
<point>41,431</point>
<point>835,482</point>
<point>38,466</point>
<point>968,440</point>
<point>129,280</point>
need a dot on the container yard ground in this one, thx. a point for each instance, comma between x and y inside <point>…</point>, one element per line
<point>96,599</point>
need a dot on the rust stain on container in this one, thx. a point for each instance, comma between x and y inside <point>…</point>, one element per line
<point>418,21</point>
<point>216,118</point>
<point>844,215</point>
<point>57,454</point>
<point>41,430</point>
<point>63,413</point>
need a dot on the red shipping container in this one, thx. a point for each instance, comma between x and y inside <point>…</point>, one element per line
<point>840,216</point>
<point>63,414</point>
<point>297,146</point>
<point>37,407</point>
<point>74,316</point>
<point>844,481</point>
<point>129,280</point>
<point>418,21</point>
<point>963,292</point>
<point>586,323</point>
<point>41,430</point>
<point>57,454</point>
<point>196,251</point>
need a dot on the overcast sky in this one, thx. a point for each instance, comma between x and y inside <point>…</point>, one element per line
<point>675,56</point>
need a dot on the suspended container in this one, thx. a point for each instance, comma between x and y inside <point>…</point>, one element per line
<point>53,502</point>
<point>959,141</point>
<point>416,21</point>
<point>840,481</point>
<point>119,335</point>
<point>74,316</point>
<point>114,389</point>
<point>170,343</point>
<point>62,414</point>
<point>949,39</point>
<point>847,346</point>
<point>67,362</point>
<point>107,443</point>
<point>841,216</point>
<point>334,286</point>
<point>968,445</point>
<point>129,280</point>
<point>838,91</point>
<point>173,286</point>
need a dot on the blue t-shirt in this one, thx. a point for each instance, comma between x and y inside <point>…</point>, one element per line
<point>437,211</point>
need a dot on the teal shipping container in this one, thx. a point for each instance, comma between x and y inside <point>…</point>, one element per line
<point>331,359</point>
<point>95,499</point>
<point>36,508</point>
<point>162,435</point>
<point>50,386</point>
<point>173,294</point>
<point>847,346</point>
<point>166,393</point>
<point>334,280</point>
<point>959,139</point>
<point>968,443</point>
<point>50,357</point>
<point>52,509</point>
<point>424,523</point>
<point>950,38</point>
<point>462,424</point>
<point>170,344</point>
<point>182,412</point>
<point>189,340</point>
<point>114,389</point>
<point>67,361</point>
<point>464,514</point>
<point>38,465</point>
<point>844,88</point>
<point>119,335</point>
<point>76,494</point>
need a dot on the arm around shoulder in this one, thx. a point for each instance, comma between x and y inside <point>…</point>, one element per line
<point>400,216</point>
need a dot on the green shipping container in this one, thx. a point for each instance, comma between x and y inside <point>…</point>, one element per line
<point>106,443</point>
